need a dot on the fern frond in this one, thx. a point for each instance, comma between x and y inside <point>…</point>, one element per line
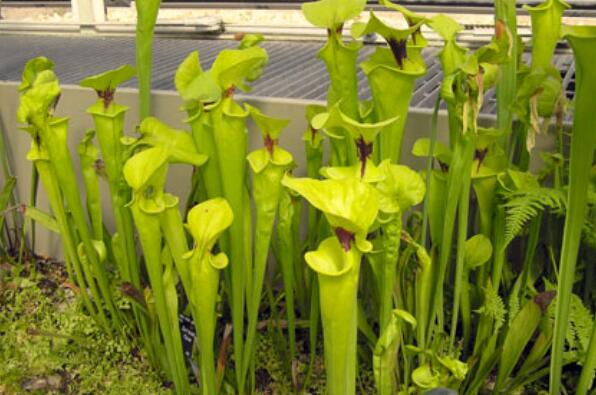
<point>524,204</point>
<point>493,306</point>
<point>580,324</point>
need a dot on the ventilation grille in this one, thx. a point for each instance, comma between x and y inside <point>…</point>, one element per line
<point>294,71</point>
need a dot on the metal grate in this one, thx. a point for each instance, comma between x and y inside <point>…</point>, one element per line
<point>293,70</point>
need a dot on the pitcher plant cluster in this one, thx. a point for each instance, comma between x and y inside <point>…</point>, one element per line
<point>474,274</point>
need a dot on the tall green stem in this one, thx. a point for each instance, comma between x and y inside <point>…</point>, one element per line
<point>230,140</point>
<point>146,17</point>
<point>266,192</point>
<point>109,124</point>
<point>462,236</point>
<point>583,140</point>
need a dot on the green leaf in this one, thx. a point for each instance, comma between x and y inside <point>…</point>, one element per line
<point>44,219</point>
<point>524,204</point>
<point>312,135</point>
<point>426,377</point>
<point>349,203</point>
<point>487,136</point>
<point>372,172</point>
<point>270,127</point>
<point>452,55</point>
<point>515,180</point>
<point>411,17</point>
<point>233,67</point>
<point>335,118</point>
<point>187,71</point>
<point>194,84</point>
<point>203,88</point>
<point>446,27</point>
<point>179,144</point>
<point>457,368</point>
<point>139,169</point>
<point>7,192</point>
<point>375,25</point>
<point>478,250</point>
<point>401,189</point>
<point>109,80</point>
<point>520,332</point>
<point>38,101</point>
<point>258,160</point>
<point>332,14</point>
<point>441,152</point>
<point>206,222</point>
<point>32,69</point>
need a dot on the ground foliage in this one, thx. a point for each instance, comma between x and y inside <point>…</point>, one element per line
<point>49,345</point>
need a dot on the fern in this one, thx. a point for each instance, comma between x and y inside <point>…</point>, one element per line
<point>493,306</point>
<point>524,204</point>
<point>580,325</point>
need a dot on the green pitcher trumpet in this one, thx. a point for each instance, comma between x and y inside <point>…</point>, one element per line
<point>391,73</point>
<point>350,207</point>
<point>582,40</point>
<point>108,118</point>
<point>230,137</point>
<point>397,39</point>
<point>392,89</point>
<point>206,222</point>
<point>451,57</point>
<point>201,94</point>
<point>540,89</point>
<point>269,165</point>
<point>219,130</point>
<point>340,59</point>
<point>39,95</point>
<point>146,173</point>
<point>39,92</point>
<point>546,30</point>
